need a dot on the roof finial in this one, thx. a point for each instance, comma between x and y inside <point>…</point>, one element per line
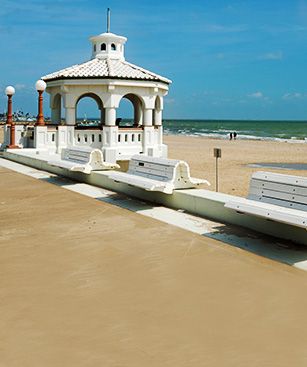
<point>108,20</point>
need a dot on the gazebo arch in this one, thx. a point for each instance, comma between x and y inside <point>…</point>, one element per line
<point>97,99</point>
<point>158,103</point>
<point>56,108</point>
<point>157,115</point>
<point>138,107</point>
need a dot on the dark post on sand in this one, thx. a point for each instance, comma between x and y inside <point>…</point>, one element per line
<point>217,152</point>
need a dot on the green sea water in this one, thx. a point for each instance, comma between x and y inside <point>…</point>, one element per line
<point>221,129</point>
<point>255,130</point>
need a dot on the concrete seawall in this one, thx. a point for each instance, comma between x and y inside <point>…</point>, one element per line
<point>200,202</point>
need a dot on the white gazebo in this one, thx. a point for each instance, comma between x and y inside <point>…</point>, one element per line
<point>107,78</point>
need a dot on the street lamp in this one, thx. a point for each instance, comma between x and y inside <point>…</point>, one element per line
<point>40,86</point>
<point>10,91</point>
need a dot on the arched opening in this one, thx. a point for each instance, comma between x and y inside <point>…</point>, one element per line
<point>57,109</point>
<point>156,118</point>
<point>158,103</point>
<point>130,111</point>
<point>103,47</point>
<point>113,47</point>
<point>89,111</point>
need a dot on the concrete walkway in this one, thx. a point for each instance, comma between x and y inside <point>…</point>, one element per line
<point>86,283</point>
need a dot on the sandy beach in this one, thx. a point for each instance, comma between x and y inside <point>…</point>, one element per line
<point>84,283</point>
<point>234,173</point>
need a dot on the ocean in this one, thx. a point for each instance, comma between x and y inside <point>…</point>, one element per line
<point>220,129</point>
<point>254,130</point>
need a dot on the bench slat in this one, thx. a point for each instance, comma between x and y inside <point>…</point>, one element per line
<point>151,168</point>
<point>267,194</point>
<point>281,203</point>
<point>281,178</point>
<point>155,160</point>
<point>166,171</point>
<point>159,168</point>
<point>142,182</point>
<point>259,184</point>
<point>153,164</point>
<point>72,166</point>
<point>143,171</point>
<point>272,212</point>
<point>149,175</point>
<point>76,158</point>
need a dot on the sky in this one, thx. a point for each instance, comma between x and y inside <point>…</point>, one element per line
<point>226,59</point>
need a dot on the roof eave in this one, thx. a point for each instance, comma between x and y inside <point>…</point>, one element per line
<point>166,81</point>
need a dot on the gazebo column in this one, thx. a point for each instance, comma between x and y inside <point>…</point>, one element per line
<point>109,135</point>
<point>102,116</point>
<point>147,117</point>
<point>159,130</point>
<point>148,133</point>
<point>137,115</point>
<point>70,115</point>
<point>65,135</point>
<point>158,117</point>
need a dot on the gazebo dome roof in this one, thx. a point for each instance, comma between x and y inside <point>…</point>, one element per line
<point>108,36</point>
<point>108,62</point>
<point>105,68</point>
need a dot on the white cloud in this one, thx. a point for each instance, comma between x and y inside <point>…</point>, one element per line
<point>218,28</point>
<point>257,95</point>
<point>293,96</point>
<point>169,100</point>
<point>272,56</point>
<point>20,86</point>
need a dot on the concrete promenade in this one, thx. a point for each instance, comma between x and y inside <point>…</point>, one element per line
<point>85,283</point>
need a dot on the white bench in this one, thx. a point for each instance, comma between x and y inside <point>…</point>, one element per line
<point>278,197</point>
<point>82,159</point>
<point>157,174</point>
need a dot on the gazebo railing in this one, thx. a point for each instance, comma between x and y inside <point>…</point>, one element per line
<point>88,137</point>
<point>128,141</point>
<point>51,136</point>
<point>126,137</point>
<point>130,136</point>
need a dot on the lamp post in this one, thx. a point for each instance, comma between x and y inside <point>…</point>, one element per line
<point>40,86</point>
<point>10,91</point>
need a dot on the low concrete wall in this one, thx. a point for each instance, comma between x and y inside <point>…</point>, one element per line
<point>201,202</point>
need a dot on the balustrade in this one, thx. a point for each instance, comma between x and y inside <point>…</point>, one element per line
<point>127,140</point>
<point>51,137</point>
<point>92,138</point>
<point>131,137</point>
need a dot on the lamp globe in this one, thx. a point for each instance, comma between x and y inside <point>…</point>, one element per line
<point>40,85</point>
<point>9,91</point>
